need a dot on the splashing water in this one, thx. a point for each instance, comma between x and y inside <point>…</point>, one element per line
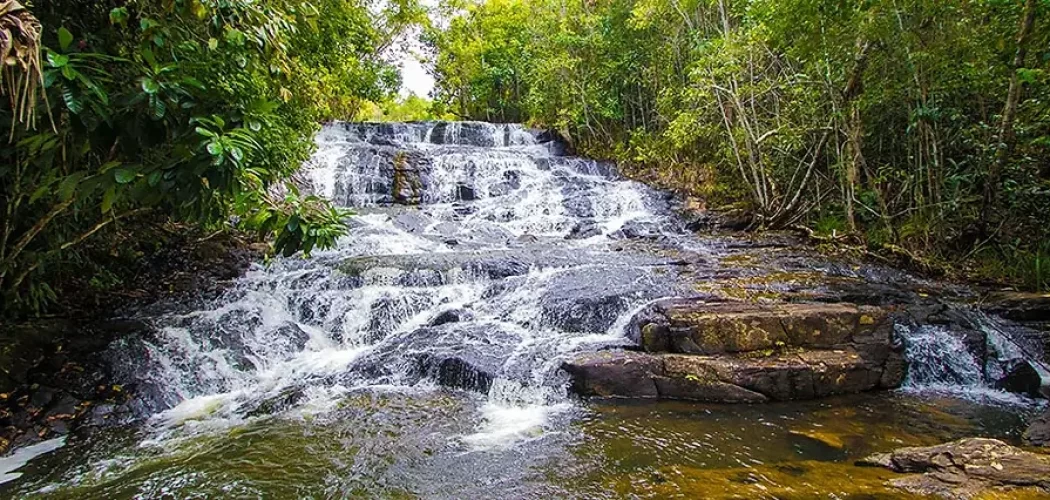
<point>422,355</point>
<point>502,271</point>
<point>940,362</point>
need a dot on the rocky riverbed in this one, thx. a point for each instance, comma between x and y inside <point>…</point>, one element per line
<point>499,309</point>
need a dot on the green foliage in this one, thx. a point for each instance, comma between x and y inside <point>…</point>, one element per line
<point>402,109</point>
<point>886,115</point>
<point>197,111</point>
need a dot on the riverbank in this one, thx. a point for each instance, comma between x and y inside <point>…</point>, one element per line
<point>56,379</point>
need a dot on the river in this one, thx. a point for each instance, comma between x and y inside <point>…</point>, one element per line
<point>422,356</point>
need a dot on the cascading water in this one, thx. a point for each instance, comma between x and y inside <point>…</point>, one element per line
<point>501,272</point>
<point>421,356</point>
<point>940,361</point>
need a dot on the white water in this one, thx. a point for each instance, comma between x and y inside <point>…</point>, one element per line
<point>940,362</point>
<point>490,242</point>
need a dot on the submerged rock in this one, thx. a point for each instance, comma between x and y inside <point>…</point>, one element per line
<point>966,468</point>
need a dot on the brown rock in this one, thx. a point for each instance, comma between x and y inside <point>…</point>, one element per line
<point>615,374</point>
<point>725,378</point>
<point>965,468</point>
<point>696,327</point>
<point>1038,432</point>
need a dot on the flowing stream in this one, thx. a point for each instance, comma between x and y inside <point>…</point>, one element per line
<point>421,356</point>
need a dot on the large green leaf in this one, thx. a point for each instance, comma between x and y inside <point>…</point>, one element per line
<point>65,39</point>
<point>124,175</point>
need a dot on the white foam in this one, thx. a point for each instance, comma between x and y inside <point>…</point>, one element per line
<point>22,456</point>
<point>504,426</point>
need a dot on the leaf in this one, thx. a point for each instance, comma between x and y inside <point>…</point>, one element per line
<point>150,86</point>
<point>147,55</point>
<point>124,175</point>
<point>108,198</point>
<point>193,82</point>
<point>237,154</point>
<point>205,132</point>
<point>106,167</point>
<point>293,223</point>
<point>68,186</point>
<point>94,88</point>
<point>213,44</point>
<point>74,104</point>
<point>65,39</point>
<point>214,148</point>
<point>57,60</point>
<point>157,107</point>
<point>119,16</point>
<point>69,73</point>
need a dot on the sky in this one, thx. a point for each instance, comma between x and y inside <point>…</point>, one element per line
<point>414,77</point>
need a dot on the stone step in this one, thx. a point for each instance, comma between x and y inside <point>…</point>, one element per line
<point>698,327</point>
<point>732,378</point>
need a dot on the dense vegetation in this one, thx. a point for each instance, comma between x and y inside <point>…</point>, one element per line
<point>920,127</point>
<point>192,111</point>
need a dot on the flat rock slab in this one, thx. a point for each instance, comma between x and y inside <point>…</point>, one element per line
<point>727,378</point>
<point>698,327</point>
<point>967,468</point>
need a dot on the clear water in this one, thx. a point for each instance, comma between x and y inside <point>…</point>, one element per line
<point>420,358</point>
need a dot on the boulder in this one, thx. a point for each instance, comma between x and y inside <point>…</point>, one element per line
<point>697,327</point>
<point>1038,432</point>
<point>451,316</point>
<point>967,468</point>
<point>615,374</point>
<point>1018,306</point>
<point>726,378</point>
<point>748,353</point>
<point>583,230</point>
<point>1026,378</point>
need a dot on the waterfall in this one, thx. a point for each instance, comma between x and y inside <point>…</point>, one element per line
<point>940,361</point>
<point>488,269</point>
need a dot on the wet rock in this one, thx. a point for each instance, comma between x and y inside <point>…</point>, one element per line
<point>452,316</point>
<point>583,314</point>
<point>461,355</point>
<point>1027,379</point>
<point>499,268</point>
<point>697,327</point>
<point>723,379</point>
<point>412,222</point>
<point>465,193</point>
<point>615,374</point>
<point>583,230</point>
<point>1019,306</point>
<point>287,398</point>
<point>636,229</point>
<point>1038,432</point>
<point>966,468</point>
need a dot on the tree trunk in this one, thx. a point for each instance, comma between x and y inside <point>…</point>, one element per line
<point>1007,135</point>
<point>855,127</point>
